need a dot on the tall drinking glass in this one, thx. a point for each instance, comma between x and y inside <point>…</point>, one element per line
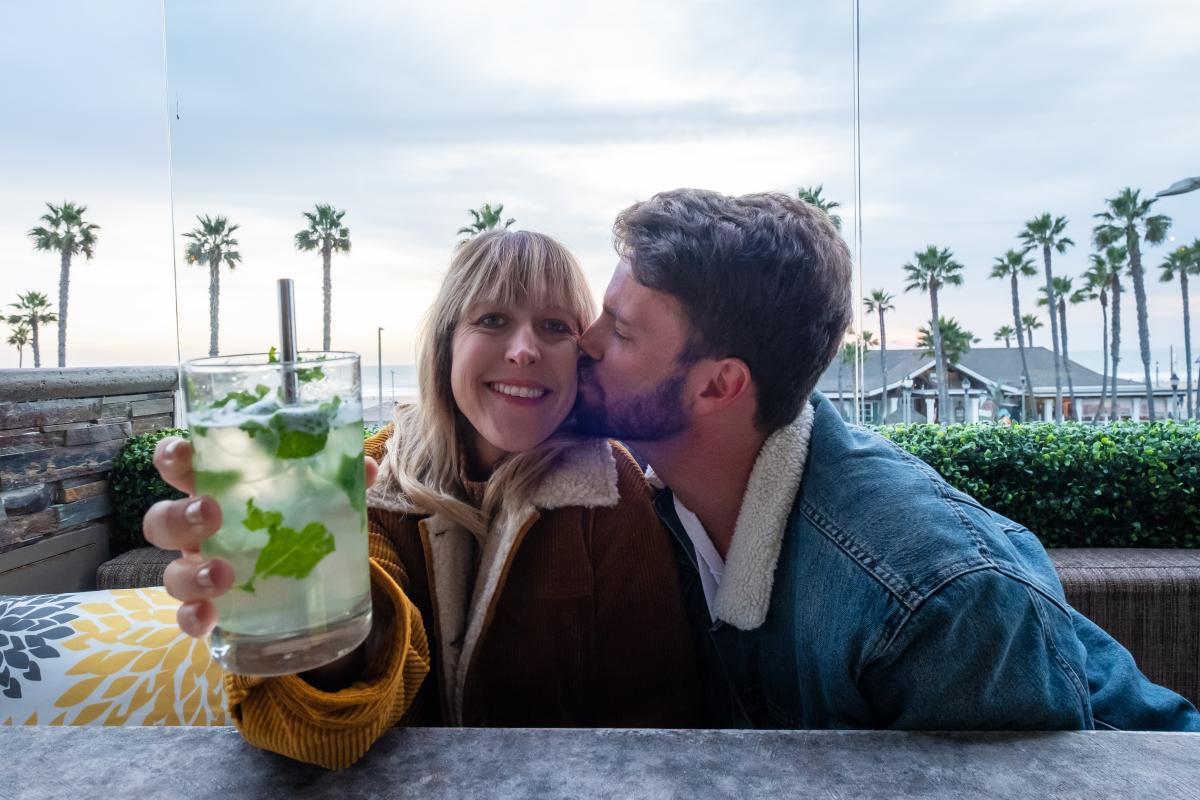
<point>280,448</point>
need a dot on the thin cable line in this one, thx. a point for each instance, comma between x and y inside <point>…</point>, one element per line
<point>858,236</point>
<point>162,10</point>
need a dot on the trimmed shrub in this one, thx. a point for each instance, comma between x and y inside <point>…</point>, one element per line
<point>136,485</point>
<point>1125,484</point>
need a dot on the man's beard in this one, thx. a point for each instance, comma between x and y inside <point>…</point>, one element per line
<point>649,417</point>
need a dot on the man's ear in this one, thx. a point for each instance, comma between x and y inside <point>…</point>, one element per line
<point>725,382</point>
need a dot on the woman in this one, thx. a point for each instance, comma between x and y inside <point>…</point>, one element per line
<point>519,574</point>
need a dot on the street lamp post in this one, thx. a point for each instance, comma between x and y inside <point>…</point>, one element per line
<point>380,368</point>
<point>966,385</point>
<point>906,387</point>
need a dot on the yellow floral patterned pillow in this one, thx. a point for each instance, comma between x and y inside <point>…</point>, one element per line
<point>104,658</point>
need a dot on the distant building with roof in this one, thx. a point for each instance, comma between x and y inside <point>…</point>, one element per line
<point>985,384</point>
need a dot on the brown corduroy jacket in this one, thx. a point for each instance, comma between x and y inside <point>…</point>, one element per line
<point>568,614</point>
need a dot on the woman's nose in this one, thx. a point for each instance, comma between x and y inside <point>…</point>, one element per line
<point>523,348</point>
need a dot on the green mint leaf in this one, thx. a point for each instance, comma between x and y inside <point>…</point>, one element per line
<point>257,429</point>
<point>353,480</point>
<point>214,482</point>
<point>242,398</point>
<point>290,553</point>
<point>257,519</point>
<point>307,374</point>
<point>330,406</point>
<point>199,430</point>
<point>271,358</point>
<point>302,432</point>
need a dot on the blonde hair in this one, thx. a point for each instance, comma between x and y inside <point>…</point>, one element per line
<point>423,466</point>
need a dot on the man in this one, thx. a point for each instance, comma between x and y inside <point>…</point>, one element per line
<point>833,581</point>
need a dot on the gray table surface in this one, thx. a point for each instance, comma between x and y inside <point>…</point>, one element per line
<point>430,763</point>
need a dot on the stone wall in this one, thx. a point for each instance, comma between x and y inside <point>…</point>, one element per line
<point>59,431</point>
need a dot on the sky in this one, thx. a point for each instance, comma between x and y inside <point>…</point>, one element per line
<point>975,117</point>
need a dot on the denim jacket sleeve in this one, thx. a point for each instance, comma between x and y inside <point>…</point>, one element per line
<point>985,651</point>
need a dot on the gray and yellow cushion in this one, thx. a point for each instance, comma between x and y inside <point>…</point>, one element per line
<point>113,657</point>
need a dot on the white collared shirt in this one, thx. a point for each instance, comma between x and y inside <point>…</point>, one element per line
<point>708,561</point>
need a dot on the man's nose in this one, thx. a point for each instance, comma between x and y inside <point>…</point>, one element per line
<point>523,348</point>
<point>590,342</point>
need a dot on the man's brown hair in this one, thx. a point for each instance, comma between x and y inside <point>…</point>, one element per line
<point>762,277</point>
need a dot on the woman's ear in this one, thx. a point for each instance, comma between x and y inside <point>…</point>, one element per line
<point>725,382</point>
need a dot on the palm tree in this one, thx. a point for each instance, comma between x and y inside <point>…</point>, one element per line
<point>486,219</point>
<point>880,302</point>
<point>213,244</point>
<point>1047,232</point>
<point>1031,323</point>
<point>1062,293</point>
<point>1004,334</point>
<point>18,338</point>
<point>956,343</point>
<point>1183,262</point>
<point>956,340</point>
<point>1100,277</point>
<point>1015,265</point>
<point>33,310</point>
<point>68,234</point>
<point>325,232</point>
<point>931,270</point>
<point>1128,217</point>
<point>812,196</point>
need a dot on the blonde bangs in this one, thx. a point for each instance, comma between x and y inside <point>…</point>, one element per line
<point>519,268</point>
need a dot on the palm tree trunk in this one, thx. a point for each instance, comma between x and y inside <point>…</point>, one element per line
<point>1116,339</point>
<point>326,254</point>
<point>1187,338</point>
<point>64,284</point>
<point>883,399</point>
<point>1143,316</point>
<point>1025,398</point>
<point>1062,312</point>
<point>20,356</point>
<point>1104,349</point>
<point>1031,337</point>
<point>938,365</point>
<point>1054,340</point>
<point>1008,343</point>
<point>37,350</point>
<point>214,300</point>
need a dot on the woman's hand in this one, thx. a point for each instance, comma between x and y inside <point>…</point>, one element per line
<point>182,525</point>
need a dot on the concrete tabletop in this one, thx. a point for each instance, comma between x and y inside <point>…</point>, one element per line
<point>431,763</point>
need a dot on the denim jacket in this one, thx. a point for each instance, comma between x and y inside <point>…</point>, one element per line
<point>863,591</point>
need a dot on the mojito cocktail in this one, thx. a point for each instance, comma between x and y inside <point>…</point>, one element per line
<point>286,466</point>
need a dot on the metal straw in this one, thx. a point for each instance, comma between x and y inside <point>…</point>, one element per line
<point>287,341</point>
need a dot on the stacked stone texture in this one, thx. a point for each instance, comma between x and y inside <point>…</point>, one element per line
<point>59,432</point>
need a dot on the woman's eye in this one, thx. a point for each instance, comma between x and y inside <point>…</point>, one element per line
<point>558,326</point>
<point>490,321</point>
<point>618,335</point>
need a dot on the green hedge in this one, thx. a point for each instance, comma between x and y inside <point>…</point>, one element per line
<point>1125,484</point>
<point>136,486</point>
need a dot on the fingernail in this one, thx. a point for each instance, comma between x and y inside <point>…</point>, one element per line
<point>193,513</point>
<point>204,576</point>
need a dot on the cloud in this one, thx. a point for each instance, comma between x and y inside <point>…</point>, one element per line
<point>976,117</point>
